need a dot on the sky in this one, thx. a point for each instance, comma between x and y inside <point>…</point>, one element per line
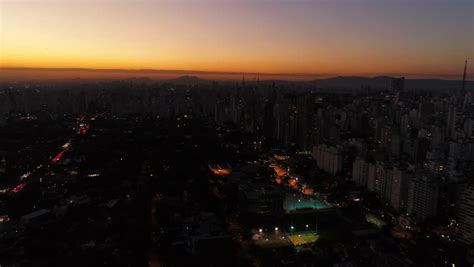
<point>288,38</point>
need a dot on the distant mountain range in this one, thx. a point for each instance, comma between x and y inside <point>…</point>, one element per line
<point>188,80</point>
<point>149,76</point>
<point>379,82</point>
<point>384,82</point>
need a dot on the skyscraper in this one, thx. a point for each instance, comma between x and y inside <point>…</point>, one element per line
<point>3,163</point>
<point>451,121</point>
<point>423,197</point>
<point>397,84</point>
<point>465,232</point>
<point>360,172</point>
<point>463,86</point>
<point>328,158</point>
<point>399,188</point>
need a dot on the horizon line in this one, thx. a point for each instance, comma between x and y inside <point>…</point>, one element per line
<point>235,73</point>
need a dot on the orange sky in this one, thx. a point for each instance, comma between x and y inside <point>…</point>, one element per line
<point>358,37</point>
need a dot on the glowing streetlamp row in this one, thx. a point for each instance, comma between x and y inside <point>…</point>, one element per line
<point>276,228</point>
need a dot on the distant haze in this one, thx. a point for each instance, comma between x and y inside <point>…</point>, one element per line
<point>73,73</point>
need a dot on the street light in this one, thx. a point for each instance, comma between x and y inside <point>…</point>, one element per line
<point>307,226</point>
<point>260,230</point>
<point>292,228</point>
<point>276,229</point>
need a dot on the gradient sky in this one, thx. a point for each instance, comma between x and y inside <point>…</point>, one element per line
<point>338,37</point>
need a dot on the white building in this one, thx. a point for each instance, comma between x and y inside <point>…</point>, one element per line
<point>371,167</point>
<point>328,158</point>
<point>359,172</point>
<point>376,180</point>
<point>399,189</point>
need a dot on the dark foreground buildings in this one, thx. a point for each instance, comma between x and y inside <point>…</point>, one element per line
<point>190,172</point>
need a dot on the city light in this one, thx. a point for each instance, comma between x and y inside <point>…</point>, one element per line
<point>4,218</point>
<point>220,170</point>
<point>84,128</point>
<point>24,176</point>
<point>58,156</point>
<point>18,188</point>
<point>280,172</point>
<point>146,150</point>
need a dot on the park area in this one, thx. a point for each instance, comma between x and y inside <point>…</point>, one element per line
<point>303,238</point>
<point>274,241</point>
<point>375,220</point>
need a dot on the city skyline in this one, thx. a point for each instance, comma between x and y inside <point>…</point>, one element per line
<point>234,133</point>
<point>222,39</point>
